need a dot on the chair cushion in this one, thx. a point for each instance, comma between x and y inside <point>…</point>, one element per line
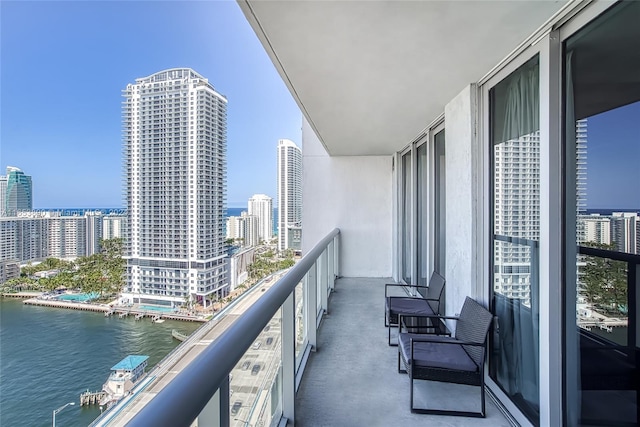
<point>436,355</point>
<point>402,305</point>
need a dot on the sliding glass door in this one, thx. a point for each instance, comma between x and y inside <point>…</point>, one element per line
<point>515,166</point>
<point>602,250</point>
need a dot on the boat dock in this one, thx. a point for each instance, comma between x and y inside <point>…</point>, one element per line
<point>110,311</point>
<point>63,304</point>
<point>22,295</point>
<point>91,397</point>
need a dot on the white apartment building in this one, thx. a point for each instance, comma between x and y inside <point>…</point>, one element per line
<point>174,138</point>
<point>624,231</point>
<point>113,226</point>
<point>597,228</point>
<point>245,227</point>
<point>289,192</point>
<point>67,236</point>
<point>93,233</point>
<point>261,206</point>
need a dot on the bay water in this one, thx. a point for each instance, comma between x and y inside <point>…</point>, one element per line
<point>48,356</point>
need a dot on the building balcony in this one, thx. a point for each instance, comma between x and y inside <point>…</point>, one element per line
<point>268,363</point>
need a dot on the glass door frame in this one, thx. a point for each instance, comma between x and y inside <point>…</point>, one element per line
<point>571,395</point>
<point>409,192</point>
<point>438,127</point>
<point>546,45</point>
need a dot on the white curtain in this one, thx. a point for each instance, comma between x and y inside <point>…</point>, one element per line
<point>516,129</point>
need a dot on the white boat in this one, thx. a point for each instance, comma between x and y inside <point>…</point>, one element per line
<point>123,379</point>
<point>157,319</point>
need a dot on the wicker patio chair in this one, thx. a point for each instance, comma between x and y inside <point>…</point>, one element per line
<point>419,305</point>
<point>458,359</point>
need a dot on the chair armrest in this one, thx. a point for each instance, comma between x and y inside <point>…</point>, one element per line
<point>400,285</point>
<point>438,325</point>
<point>429,316</point>
<point>445,340</point>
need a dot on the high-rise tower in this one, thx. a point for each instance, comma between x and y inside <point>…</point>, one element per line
<point>289,195</point>
<point>15,192</point>
<point>261,205</point>
<point>175,138</point>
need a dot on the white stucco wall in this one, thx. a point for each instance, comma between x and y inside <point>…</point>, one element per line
<point>352,193</point>
<point>461,159</point>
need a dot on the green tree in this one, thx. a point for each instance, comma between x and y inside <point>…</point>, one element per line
<point>603,281</point>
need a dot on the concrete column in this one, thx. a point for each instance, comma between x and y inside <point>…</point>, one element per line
<point>463,217</point>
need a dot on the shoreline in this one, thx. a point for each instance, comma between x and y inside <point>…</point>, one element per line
<point>33,298</point>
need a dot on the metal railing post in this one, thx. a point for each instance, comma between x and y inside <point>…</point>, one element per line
<point>310,308</point>
<point>289,359</point>
<point>330,266</point>
<point>216,413</point>
<point>336,256</point>
<point>322,281</point>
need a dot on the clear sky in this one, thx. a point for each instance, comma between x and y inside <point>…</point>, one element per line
<point>613,153</point>
<point>63,66</point>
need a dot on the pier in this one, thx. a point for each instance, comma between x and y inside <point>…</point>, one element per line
<point>72,305</point>
<point>21,295</point>
<point>91,397</point>
<point>111,310</point>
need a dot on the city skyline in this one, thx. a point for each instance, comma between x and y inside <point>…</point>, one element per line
<point>92,50</point>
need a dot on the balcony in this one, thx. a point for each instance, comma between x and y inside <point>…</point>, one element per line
<point>271,363</point>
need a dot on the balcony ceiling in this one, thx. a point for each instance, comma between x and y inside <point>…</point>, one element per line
<point>370,75</point>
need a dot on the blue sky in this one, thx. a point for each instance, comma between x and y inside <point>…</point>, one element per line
<point>64,65</point>
<point>613,153</point>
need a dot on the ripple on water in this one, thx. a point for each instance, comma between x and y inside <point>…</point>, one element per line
<point>48,356</point>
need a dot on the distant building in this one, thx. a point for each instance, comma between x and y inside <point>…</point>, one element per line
<point>624,231</point>
<point>67,236</point>
<point>93,232</point>
<point>24,238</point>
<point>261,206</point>
<point>239,264</point>
<point>113,226</point>
<point>597,228</point>
<point>244,227</point>
<point>36,235</point>
<point>175,143</point>
<point>289,191</point>
<point>16,192</point>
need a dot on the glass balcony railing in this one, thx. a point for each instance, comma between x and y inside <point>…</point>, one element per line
<point>250,373</point>
<point>606,324</point>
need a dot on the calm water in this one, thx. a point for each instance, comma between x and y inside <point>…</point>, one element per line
<point>49,356</point>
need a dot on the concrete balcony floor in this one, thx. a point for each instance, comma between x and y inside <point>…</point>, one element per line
<point>353,380</point>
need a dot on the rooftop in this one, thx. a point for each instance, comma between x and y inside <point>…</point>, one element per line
<point>130,363</point>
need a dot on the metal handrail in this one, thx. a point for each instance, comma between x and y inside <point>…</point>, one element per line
<point>183,399</point>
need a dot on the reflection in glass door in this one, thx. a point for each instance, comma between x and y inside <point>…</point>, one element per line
<point>515,137</point>
<point>602,250</point>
